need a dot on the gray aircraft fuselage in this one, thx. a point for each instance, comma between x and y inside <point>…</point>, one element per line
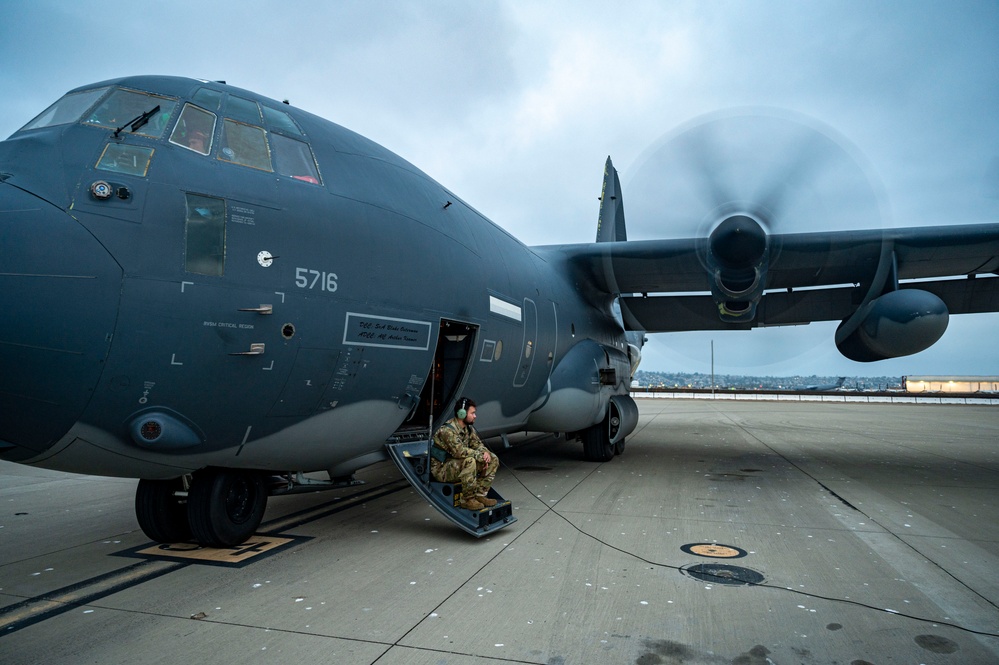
<point>167,310</point>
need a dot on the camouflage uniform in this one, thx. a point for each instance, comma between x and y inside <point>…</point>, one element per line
<point>465,461</point>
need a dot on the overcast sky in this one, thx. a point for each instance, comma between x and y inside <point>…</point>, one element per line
<point>515,106</point>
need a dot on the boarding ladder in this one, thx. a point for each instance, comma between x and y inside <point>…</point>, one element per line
<point>412,459</point>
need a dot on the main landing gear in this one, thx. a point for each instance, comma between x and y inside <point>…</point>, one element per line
<point>161,508</point>
<point>601,442</point>
<point>217,507</point>
<point>597,446</point>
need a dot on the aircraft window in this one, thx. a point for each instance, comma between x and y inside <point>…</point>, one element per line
<point>194,130</point>
<point>281,121</point>
<point>243,110</point>
<point>122,158</point>
<point>68,109</point>
<point>123,106</point>
<point>205,235</point>
<point>210,99</point>
<point>245,145</point>
<point>294,158</point>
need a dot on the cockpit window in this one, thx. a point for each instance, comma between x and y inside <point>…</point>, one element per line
<point>194,129</point>
<point>243,110</point>
<point>245,145</point>
<point>68,109</point>
<point>281,121</point>
<point>124,158</point>
<point>294,158</point>
<point>210,99</point>
<point>124,106</point>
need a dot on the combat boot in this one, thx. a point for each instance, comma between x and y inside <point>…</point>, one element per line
<point>485,500</point>
<point>471,504</point>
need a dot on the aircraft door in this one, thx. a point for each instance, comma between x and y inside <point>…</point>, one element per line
<point>547,336</point>
<point>448,372</point>
<point>528,349</point>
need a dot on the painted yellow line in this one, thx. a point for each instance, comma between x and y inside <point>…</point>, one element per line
<point>61,600</point>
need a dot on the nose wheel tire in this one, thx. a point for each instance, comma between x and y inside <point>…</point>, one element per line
<point>161,514</point>
<point>225,506</point>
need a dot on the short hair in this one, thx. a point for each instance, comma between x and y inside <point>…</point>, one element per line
<point>463,403</point>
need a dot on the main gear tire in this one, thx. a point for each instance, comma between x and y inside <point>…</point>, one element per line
<point>162,515</point>
<point>225,506</point>
<point>596,443</point>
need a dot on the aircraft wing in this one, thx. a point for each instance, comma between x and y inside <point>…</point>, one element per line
<point>697,284</point>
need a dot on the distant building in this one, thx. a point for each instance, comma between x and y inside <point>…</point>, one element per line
<point>951,384</point>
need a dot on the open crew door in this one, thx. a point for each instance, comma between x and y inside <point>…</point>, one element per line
<point>409,446</point>
<point>411,458</point>
<point>451,359</point>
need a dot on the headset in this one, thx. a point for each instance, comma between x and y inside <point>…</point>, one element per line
<point>462,408</point>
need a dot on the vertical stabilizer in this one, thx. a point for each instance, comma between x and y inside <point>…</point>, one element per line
<point>610,223</point>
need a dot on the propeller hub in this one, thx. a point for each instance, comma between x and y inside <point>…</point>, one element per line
<point>739,242</point>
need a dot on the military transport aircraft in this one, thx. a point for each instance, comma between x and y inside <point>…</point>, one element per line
<point>827,386</point>
<point>217,293</point>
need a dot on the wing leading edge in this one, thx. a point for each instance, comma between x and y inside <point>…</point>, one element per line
<point>716,283</point>
<point>833,268</point>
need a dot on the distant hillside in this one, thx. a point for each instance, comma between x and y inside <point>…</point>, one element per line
<point>646,379</point>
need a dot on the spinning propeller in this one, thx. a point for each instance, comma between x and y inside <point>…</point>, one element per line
<point>738,182</point>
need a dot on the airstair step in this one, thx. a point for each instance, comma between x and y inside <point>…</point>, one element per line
<point>412,460</point>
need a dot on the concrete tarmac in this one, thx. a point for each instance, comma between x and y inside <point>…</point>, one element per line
<point>728,532</point>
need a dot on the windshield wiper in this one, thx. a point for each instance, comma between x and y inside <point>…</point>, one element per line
<point>138,121</point>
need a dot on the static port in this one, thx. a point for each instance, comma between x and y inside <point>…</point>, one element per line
<point>288,331</point>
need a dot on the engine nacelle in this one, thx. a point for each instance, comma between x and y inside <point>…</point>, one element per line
<point>737,258</point>
<point>896,324</point>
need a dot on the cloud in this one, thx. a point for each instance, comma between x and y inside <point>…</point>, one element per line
<point>514,106</point>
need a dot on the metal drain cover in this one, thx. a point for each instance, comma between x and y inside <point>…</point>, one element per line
<point>714,550</point>
<point>721,573</point>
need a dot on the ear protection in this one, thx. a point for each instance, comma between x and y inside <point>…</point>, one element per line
<point>462,411</point>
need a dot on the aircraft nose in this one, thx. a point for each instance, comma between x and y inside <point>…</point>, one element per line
<point>59,292</point>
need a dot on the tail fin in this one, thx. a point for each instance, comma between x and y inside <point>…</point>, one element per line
<point>610,223</point>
